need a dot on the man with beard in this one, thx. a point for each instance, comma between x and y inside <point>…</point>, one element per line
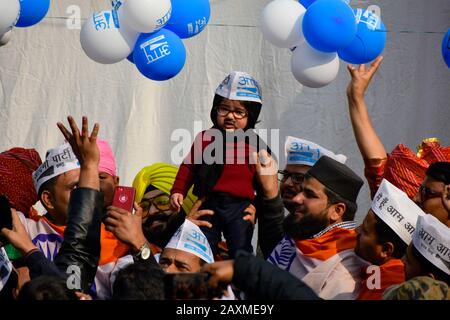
<point>159,222</point>
<point>301,155</point>
<point>319,235</point>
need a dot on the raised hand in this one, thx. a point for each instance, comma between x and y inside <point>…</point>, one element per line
<point>83,145</point>
<point>361,78</point>
<point>86,149</point>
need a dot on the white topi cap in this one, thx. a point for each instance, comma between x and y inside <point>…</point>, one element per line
<point>432,240</point>
<point>398,211</point>
<point>300,151</point>
<point>240,86</point>
<point>190,238</point>
<point>57,161</point>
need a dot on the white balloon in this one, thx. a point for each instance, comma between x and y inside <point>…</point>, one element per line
<point>146,15</point>
<point>281,23</point>
<point>5,37</point>
<point>313,68</point>
<point>9,12</point>
<point>105,42</point>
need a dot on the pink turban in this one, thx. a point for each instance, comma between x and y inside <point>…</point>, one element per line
<point>107,162</point>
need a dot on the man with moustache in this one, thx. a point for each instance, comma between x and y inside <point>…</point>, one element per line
<point>301,155</point>
<point>319,235</point>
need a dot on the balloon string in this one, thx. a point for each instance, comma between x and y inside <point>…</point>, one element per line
<point>254,26</point>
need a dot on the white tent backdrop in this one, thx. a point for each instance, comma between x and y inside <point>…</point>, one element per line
<point>45,76</point>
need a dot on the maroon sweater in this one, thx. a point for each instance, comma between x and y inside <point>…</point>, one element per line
<point>237,176</point>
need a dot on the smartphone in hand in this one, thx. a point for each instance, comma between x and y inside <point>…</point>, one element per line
<point>5,218</point>
<point>124,198</point>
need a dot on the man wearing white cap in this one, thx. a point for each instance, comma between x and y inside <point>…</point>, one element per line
<point>301,155</point>
<point>226,179</point>
<point>383,238</point>
<point>54,180</point>
<point>187,251</point>
<point>316,242</point>
<point>427,263</point>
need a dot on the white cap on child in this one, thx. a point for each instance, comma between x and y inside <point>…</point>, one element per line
<point>190,238</point>
<point>240,86</point>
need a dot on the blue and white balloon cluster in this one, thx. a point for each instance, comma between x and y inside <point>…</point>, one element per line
<point>20,13</point>
<point>147,32</point>
<point>319,32</point>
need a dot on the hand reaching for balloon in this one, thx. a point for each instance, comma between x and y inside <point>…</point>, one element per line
<point>361,78</point>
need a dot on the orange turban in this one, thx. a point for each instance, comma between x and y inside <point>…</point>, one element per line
<point>406,170</point>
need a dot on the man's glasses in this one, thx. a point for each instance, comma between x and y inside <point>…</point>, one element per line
<point>238,114</point>
<point>296,178</point>
<point>161,202</point>
<point>427,193</point>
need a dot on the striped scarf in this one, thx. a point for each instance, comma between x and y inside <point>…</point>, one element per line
<point>323,245</point>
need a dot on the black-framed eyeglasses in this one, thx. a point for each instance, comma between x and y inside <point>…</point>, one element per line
<point>238,114</point>
<point>161,202</point>
<point>296,177</point>
<point>427,193</point>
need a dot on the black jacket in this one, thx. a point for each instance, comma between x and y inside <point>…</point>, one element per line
<point>261,280</point>
<point>81,244</point>
<point>270,224</point>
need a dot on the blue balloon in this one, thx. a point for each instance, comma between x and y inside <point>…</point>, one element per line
<point>329,25</point>
<point>131,58</point>
<point>32,12</point>
<point>370,39</point>
<point>306,3</point>
<point>446,48</point>
<point>160,55</point>
<point>189,18</point>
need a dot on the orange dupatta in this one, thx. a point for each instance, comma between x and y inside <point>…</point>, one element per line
<point>328,244</point>
<point>391,273</point>
<point>111,249</point>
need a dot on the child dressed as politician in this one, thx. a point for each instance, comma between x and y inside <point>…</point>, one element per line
<point>220,163</point>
